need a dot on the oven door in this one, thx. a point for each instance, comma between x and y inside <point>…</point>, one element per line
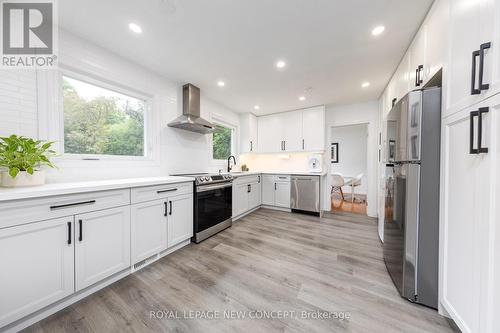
<point>213,204</point>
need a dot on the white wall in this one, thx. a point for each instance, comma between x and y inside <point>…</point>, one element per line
<point>352,152</point>
<point>363,113</point>
<point>28,111</point>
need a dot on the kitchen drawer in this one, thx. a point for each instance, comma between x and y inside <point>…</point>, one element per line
<point>282,178</point>
<point>23,211</point>
<point>251,179</point>
<point>149,193</point>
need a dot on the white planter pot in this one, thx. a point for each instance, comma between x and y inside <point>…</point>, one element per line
<point>23,179</point>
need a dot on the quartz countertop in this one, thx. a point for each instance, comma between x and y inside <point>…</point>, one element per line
<point>47,190</point>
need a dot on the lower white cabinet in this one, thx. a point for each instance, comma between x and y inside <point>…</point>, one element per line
<point>37,266</point>
<point>470,235</point>
<point>180,219</point>
<point>149,229</point>
<point>102,245</point>
<point>160,224</point>
<point>246,194</point>
<point>276,190</point>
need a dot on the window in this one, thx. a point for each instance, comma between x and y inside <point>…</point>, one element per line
<point>222,142</point>
<point>100,121</point>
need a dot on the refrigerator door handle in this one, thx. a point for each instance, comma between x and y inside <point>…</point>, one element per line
<point>472,150</point>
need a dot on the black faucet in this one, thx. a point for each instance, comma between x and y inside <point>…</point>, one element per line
<point>229,163</point>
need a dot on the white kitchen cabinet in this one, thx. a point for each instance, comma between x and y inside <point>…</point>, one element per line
<point>148,229</point>
<point>472,24</point>
<point>270,139</point>
<point>37,266</point>
<point>416,54</point>
<point>180,219</point>
<point>291,129</point>
<point>282,193</point>
<point>268,190</point>
<point>248,133</point>
<point>276,190</point>
<point>254,195</point>
<point>469,231</point>
<point>246,194</point>
<point>102,245</point>
<point>436,38</point>
<point>313,129</point>
<point>402,77</point>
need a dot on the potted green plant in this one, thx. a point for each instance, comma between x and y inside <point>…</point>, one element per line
<point>22,158</point>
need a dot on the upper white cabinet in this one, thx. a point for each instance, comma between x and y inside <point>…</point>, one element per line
<point>313,129</point>
<point>248,133</point>
<point>474,61</point>
<point>294,131</point>
<point>37,266</point>
<point>102,245</point>
<point>436,31</point>
<point>416,74</point>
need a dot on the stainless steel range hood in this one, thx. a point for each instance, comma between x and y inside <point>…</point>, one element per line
<point>190,119</point>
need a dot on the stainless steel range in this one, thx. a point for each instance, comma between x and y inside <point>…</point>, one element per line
<point>213,196</point>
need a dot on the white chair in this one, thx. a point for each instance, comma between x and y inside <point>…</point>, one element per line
<point>337,183</point>
<point>353,183</point>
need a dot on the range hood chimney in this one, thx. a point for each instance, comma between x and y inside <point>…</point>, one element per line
<point>190,119</point>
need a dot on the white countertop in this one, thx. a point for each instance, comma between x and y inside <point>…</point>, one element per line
<point>298,173</point>
<point>82,187</point>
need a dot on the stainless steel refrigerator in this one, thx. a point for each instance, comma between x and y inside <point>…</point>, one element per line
<point>411,228</point>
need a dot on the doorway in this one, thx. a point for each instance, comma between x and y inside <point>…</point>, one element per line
<point>348,168</point>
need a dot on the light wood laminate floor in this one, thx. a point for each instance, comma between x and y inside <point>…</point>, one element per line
<point>268,261</point>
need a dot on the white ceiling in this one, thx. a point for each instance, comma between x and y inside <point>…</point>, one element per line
<point>327,45</point>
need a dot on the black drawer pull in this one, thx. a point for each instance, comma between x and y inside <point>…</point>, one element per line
<point>170,212</point>
<point>166,209</point>
<point>90,202</point>
<point>80,226</point>
<point>164,191</point>
<point>69,233</point>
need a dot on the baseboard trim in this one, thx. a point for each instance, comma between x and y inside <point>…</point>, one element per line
<point>277,208</point>
<point>245,213</point>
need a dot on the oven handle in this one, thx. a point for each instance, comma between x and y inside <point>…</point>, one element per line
<point>212,187</point>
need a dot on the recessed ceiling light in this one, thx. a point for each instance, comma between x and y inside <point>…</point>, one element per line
<point>365,84</point>
<point>378,30</point>
<point>221,83</point>
<point>256,107</point>
<point>302,98</point>
<point>281,64</point>
<point>135,28</point>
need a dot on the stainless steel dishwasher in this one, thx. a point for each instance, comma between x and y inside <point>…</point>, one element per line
<point>305,194</point>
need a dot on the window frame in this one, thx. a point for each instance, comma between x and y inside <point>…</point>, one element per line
<point>115,87</point>
<point>233,129</point>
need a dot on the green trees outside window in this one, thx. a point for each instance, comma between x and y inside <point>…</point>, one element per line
<point>100,121</point>
<point>222,142</point>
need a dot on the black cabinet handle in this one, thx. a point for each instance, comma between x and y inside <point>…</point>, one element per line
<point>165,213</point>
<point>90,202</point>
<point>480,149</point>
<point>80,237</point>
<point>170,212</point>
<point>418,79</point>
<point>472,150</point>
<point>482,86</point>
<point>473,90</point>
<point>284,145</point>
<point>164,191</point>
<point>251,146</point>
<point>69,233</point>
<point>303,144</point>
<point>249,189</point>
<point>259,179</point>
<point>275,186</point>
